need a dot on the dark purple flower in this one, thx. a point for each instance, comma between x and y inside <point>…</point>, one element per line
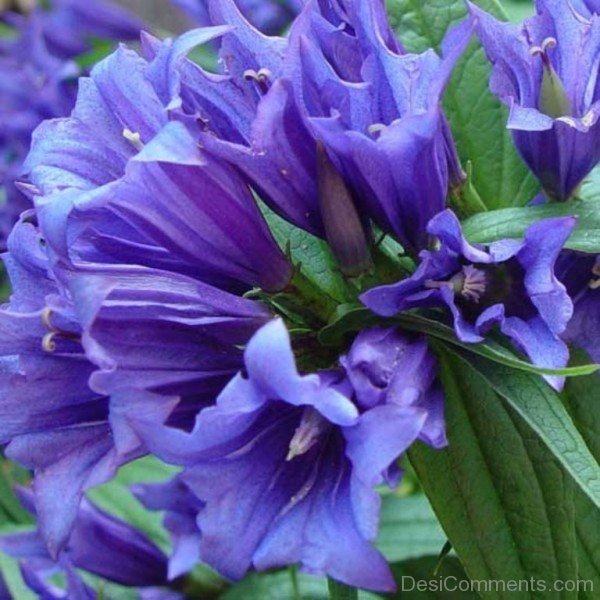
<point>270,16</point>
<point>53,423</point>
<point>142,328</point>
<point>510,283</point>
<point>377,111</point>
<point>99,544</point>
<point>284,466</point>
<point>34,86</point>
<point>239,110</point>
<point>585,8</point>
<point>581,275</point>
<point>122,183</point>
<point>545,70</point>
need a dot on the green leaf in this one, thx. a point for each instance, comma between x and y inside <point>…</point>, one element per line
<point>312,255</point>
<point>502,499</point>
<point>477,118</point>
<point>408,528</point>
<point>11,574</point>
<point>512,223</point>
<point>339,591</point>
<point>581,399</point>
<point>426,572</point>
<point>489,349</point>
<point>541,408</point>
<point>10,507</point>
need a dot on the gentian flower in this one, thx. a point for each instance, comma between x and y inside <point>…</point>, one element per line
<point>377,112</point>
<point>235,109</point>
<point>545,71</point>
<point>56,416</point>
<point>100,544</point>
<point>51,420</point>
<point>289,462</point>
<point>270,16</point>
<point>510,283</point>
<point>39,77</point>
<point>120,182</point>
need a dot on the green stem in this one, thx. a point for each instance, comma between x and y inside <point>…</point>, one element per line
<point>295,583</point>
<point>340,591</point>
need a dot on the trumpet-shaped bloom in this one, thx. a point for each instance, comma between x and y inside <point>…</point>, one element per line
<point>510,283</point>
<point>545,71</point>
<point>39,78</point>
<point>377,111</point>
<point>120,183</point>
<point>99,544</point>
<point>289,462</point>
<point>139,328</point>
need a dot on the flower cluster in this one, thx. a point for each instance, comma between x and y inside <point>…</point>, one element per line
<point>154,311</point>
<point>39,75</point>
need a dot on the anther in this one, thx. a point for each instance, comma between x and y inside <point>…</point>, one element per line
<point>48,343</point>
<point>376,128</point>
<point>594,283</point>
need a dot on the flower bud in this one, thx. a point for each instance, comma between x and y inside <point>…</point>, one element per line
<point>343,228</point>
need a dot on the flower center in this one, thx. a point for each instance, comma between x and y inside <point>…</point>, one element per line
<point>311,428</point>
<point>470,283</point>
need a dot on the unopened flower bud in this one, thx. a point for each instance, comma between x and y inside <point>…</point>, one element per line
<point>343,228</point>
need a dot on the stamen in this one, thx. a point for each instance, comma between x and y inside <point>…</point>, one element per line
<point>376,128</point>
<point>133,138</point>
<point>262,77</point>
<point>312,426</point>
<point>474,283</point>
<point>594,283</point>
<point>470,283</point>
<point>48,341</point>
<point>542,51</point>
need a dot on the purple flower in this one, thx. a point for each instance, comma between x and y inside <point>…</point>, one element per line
<point>239,111</point>
<point>374,107</point>
<point>270,16</point>
<point>52,421</point>
<point>157,331</point>
<point>99,544</point>
<point>122,183</point>
<point>386,367</point>
<point>581,275</point>
<point>510,283</point>
<point>284,466</point>
<point>545,71</point>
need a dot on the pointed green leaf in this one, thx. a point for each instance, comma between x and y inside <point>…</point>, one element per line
<point>502,499</point>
